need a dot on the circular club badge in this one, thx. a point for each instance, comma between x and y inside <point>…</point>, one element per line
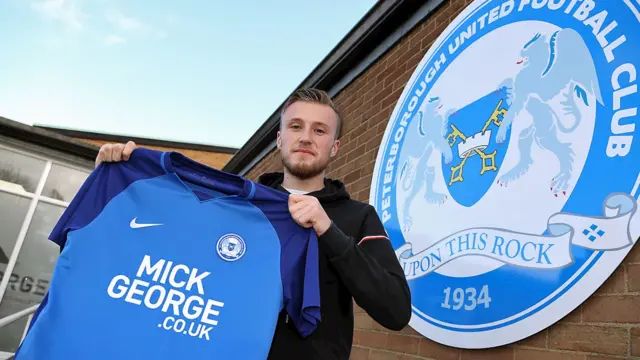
<point>508,174</point>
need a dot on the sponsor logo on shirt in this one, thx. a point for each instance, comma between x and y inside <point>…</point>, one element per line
<point>188,314</point>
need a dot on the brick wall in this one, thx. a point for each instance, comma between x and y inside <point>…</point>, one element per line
<point>606,326</point>
<point>213,159</point>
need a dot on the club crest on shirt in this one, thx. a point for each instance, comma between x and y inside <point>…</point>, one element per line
<point>231,247</point>
<point>507,177</point>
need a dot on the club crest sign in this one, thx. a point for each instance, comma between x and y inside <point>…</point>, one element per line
<point>508,174</point>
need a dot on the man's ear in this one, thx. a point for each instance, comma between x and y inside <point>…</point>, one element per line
<point>278,140</point>
<point>335,148</point>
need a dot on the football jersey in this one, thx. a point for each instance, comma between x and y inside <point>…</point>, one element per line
<point>166,258</point>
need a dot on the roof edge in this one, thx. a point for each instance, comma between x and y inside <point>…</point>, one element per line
<point>138,140</point>
<point>47,139</point>
<point>379,23</point>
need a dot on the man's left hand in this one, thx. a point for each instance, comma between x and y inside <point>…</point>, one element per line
<point>307,211</point>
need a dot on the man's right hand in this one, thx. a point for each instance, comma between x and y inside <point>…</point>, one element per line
<point>115,152</point>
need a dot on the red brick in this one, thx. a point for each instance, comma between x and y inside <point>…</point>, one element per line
<point>384,355</point>
<point>434,350</point>
<point>599,339</point>
<point>426,42</point>
<point>355,134</point>
<point>403,343</point>
<point>443,14</point>
<point>392,99</point>
<point>411,357</point>
<point>374,143</point>
<point>370,96</point>
<point>633,276</point>
<point>530,354</point>
<point>502,353</point>
<point>392,59</point>
<point>359,353</point>
<point>362,321</point>
<point>368,169</point>
<point>400,70</point>
<point>365,158</point>
<point>361,184</point>
<point>414,60</point>
<point>615,284</point>
<point>352,176</point>
<point>619,309</point>
<point>633,257</point>
<point>573,317</point>
<point>401,81</point>
<point>635,342</point>
<point>373,339</point>
<point>537,340</point>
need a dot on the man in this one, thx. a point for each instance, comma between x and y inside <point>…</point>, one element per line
<point>357,260</point>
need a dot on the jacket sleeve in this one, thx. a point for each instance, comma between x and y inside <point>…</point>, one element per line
<point>370,270</point>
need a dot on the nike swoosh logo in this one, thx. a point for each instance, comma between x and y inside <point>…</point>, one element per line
<point>134,225</point>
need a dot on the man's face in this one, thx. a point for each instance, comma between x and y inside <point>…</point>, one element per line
<point>307,138</point>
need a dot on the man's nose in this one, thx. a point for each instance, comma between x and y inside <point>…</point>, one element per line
<point>305,136</point>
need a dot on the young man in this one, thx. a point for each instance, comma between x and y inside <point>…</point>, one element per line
<point>357,260</point>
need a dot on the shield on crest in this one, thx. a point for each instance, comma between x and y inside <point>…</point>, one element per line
<point>471,133</point>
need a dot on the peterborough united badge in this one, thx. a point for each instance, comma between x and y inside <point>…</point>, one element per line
<point>508,174</point>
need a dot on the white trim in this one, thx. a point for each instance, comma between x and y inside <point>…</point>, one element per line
<point>26,326</point>
<point>49,200</point>
<point>19,315</point>
<point>23,230</point>
<point>16,192</point>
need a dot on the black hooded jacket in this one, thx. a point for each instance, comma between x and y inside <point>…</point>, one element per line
<point>357,262</point>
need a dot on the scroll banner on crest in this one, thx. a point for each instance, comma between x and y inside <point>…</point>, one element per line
<point>600,233</point>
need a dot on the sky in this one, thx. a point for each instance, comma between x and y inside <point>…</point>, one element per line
<point>200,71</point>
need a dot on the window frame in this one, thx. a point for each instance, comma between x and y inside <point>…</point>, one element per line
<point>49,158</point>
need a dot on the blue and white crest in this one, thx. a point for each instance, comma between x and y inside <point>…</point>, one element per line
<point>231,247</point>
<point>508,176</point>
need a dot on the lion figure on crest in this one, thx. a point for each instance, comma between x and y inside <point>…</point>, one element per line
<point>558,64</point>
<point>431,125</point>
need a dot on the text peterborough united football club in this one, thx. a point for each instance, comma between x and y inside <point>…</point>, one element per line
<point>606,31</point>
<point>198,312</point>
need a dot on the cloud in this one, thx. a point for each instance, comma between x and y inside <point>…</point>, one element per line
<point>113,40</point>
<point>67,11</point>
<point>123,22</point>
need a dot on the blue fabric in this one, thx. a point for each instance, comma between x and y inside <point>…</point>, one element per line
<point>166,258</point>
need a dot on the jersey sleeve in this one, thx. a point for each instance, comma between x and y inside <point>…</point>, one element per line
<point>298,261</point>
<point>105,182</point>
<point>300,279</point>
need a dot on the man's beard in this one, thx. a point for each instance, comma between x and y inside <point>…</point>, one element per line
<point>303,170</point>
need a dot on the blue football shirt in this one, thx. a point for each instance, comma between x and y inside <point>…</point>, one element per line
<point>166,258</point>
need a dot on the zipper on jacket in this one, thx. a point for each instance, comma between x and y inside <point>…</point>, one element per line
<point>286,319</point>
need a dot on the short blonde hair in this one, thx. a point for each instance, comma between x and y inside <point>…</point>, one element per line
<point>316,96</point>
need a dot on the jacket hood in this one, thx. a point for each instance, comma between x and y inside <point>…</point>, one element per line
<point>333,190</point>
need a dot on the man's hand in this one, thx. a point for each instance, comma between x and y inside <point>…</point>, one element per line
<point>307,211</point>
<point>115,152</point>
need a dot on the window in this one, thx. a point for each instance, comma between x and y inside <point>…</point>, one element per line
<point>34,192</point>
